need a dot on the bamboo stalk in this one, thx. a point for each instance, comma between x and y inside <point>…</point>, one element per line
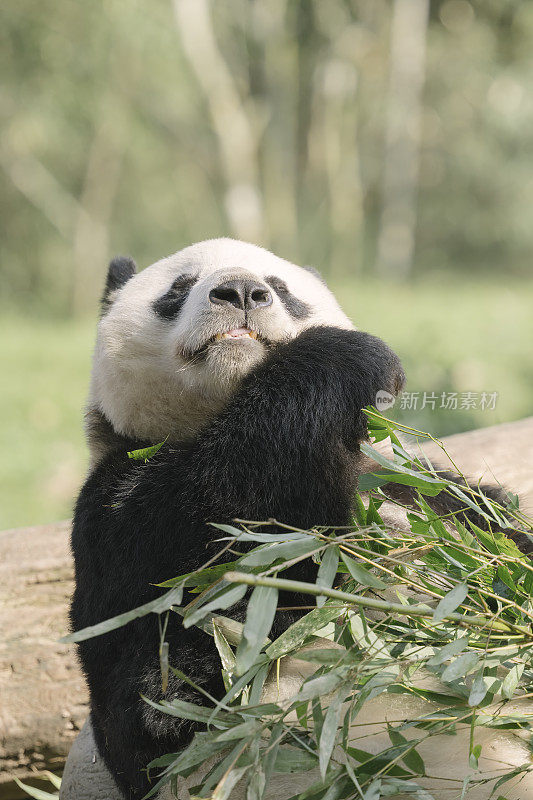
<point>419,610</point>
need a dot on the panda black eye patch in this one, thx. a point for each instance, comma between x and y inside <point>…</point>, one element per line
<point>296,308</point>
<point>169,305</point>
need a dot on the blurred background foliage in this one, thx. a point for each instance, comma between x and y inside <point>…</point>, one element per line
<point>386,142</point>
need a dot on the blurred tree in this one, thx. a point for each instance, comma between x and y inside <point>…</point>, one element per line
<point>140,128</point>
<point>396,244</point>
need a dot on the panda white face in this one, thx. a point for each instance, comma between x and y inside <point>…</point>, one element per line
<point>175,340</point>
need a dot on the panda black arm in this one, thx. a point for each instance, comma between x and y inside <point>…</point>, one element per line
<point>286,447</point>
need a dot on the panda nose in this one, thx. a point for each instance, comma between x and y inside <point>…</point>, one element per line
<point>242,294</point>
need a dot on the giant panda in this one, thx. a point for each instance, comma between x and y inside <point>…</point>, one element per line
<point>246,367</point>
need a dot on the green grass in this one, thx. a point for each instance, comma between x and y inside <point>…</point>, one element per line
<point>450,336</point>
<point>46,366</point>
<point>454,335</point>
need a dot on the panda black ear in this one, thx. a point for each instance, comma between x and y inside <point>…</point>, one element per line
<point>121,269</point>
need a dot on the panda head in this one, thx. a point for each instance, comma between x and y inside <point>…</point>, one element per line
<point>174,340</point>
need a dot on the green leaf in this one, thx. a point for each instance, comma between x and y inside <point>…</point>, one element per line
<point>255,536</point>
<point>400,474</point>
<point>328,655</point>
<point>293,759</point>
<point>448,651</point>
<point>228,782</point>
<point>330,726</point>
<point>513,501</point>
<point>146,452</point>
<point>240,683</point>
<point>259,618</point>
<point>507,777</point>
<point>243,731</point>
<point>257,685</point>
<point>474,755</point>
<point>268,554</point>
<point>450,601</point>
<point>478,691</point>
<point>372,513</point>
<point>460,667</point>
<point>510,682</point>
<point>202,748</point>
<point>360,511</point>
<point>327,572</point>
<point>505,576</point>
<point>225,652</point>
<point>191,711</point>
<point>38,794</point>
<point>411,759</point>
<point>226,763</point>
<point>301,629</point>
<point>365,637</point>
<point>158,606</point>
<point>431,488</point>
<point>371,480</point>
<point>202,577</point>
<point>225,599</point>
<point>256,784</point>
<point>54,779</point>
<point>383,759</point>
<point>320,686</point>
<point>361,574</point>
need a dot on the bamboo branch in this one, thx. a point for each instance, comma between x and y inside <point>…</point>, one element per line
<point>419,610</point>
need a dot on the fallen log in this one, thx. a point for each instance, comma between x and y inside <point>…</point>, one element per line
<point>43,696</point>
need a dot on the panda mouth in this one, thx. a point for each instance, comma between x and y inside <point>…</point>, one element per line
<point>233,335</point>
<point>236,334</point>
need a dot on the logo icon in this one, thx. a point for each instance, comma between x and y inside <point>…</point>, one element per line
<point>384,400</point>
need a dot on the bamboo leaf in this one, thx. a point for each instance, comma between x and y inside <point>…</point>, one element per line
<point>299,631</point>
<point>228,782</point>
<point>158,606</point>
<point>327,572</point>
<point>227,657</point>
<point>242,731</point>
<point>448,651</point>
<point>256,785</point>
<point>54,779</point>
<point>316,687</point>
<point>292,759</point>
<point>38,794</point>
<point>478,691</point>
<point>361,574</point>
<point>256,536</point>
<point>268,554</point>
<point>412,759</point>
<point>460,667</point>
<point>191,711</point>
<point>510,682</point>
<point>450,601</point>
<point>276,735</point>
<point>259,618</point>
<point>225,599</point>
<point>329,729</point>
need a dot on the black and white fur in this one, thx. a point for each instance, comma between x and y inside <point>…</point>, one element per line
<point>257,428</point>
<point>266,423</point>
